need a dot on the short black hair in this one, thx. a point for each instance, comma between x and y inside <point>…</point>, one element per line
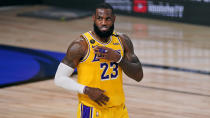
<point>104,6</point>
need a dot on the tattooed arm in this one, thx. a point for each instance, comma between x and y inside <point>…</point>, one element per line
<point>130,63</point>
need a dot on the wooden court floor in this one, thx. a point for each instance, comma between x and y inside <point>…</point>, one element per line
<point>162,93</point>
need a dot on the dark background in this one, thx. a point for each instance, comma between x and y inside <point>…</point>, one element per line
<point>194,12</point>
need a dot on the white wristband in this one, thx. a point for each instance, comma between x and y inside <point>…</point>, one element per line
<point>63,80</point>
<point>119,59</point>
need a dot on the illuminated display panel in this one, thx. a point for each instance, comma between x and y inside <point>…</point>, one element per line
<point>189,11</point>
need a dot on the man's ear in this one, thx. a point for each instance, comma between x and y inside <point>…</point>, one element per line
<point>93,17</point>
<point>114,17</point>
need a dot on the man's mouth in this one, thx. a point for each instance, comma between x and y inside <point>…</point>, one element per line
<point>104,28</point>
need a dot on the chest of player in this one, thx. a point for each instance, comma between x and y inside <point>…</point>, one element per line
<point>115,45</point>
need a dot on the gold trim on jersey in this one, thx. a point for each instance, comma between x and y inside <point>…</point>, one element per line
<point>88,53</point>
<point>91,34</point>
<point>110,39</point>
<point>115,33</point>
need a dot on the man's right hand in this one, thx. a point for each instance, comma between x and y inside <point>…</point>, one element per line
<point>96,95</point>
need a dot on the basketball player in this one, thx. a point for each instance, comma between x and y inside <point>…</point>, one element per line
<point>100,56</point>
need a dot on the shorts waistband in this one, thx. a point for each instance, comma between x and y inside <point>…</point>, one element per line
<point>111,107</point>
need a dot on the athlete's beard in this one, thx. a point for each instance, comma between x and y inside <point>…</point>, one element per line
<point>103,34</point>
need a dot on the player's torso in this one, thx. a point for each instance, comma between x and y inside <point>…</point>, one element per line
<point>102,73</point>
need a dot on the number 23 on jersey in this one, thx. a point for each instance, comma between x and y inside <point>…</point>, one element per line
<point>106,67</point>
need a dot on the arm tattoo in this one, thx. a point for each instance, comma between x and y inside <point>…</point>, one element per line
<point>74,53</point>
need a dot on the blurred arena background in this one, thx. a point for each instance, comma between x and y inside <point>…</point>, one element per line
<point>170,37</point>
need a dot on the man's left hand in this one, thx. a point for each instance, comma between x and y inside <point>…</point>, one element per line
<point>103,52</point>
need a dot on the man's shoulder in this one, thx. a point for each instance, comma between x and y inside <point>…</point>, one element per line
<point>80,41</point>
<point>81,37</point>
<point>123,37</point>
<point>84,33</point>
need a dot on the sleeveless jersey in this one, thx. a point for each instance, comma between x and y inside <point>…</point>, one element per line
<point>102,73</point>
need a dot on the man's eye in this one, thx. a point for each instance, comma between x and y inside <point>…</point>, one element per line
<point>99,18</point>
<point>108,19</point>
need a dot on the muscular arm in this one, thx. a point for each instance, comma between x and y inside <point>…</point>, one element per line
<point>130,63</point>
<point>66,68</point>
<point>76,51</point>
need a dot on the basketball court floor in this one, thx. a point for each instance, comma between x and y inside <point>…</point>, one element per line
<point>175,58</point>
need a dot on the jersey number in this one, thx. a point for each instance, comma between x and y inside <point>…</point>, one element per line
<point>105,67</point>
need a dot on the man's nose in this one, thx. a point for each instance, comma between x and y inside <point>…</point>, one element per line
<point>103,22</point>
